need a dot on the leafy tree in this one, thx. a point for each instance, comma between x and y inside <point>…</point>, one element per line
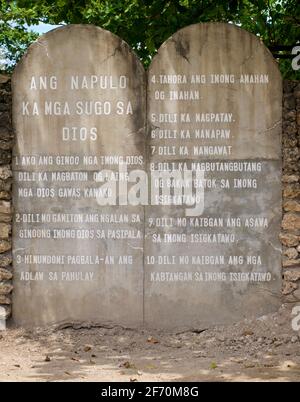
<point>146,24</point>
<point>14,34</point>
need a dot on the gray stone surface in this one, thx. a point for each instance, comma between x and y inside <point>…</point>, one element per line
<point>173,300</point>
<point>128,293</point>
<point>44,292</point>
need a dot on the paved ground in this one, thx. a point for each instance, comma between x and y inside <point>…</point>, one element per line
<point>264,349</point>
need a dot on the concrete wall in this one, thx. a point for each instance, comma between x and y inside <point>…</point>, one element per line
<point>254,138</point>
<point>100,292</point>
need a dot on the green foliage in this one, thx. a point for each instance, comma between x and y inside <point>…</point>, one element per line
<point>14,35</point>
<point>146,24</point>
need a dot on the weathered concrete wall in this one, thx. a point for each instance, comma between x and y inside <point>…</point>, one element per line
<point>6,135</point>
<point>226,291</point>
<point>90,128</point>
<point>290,235</point>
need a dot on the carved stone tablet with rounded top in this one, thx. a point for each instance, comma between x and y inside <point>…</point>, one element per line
<point>214,106</point>
<point>79,114</point>
<point>87,247</point>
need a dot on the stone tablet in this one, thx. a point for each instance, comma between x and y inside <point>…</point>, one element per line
<point>179,231</point>
<point>214,106</point>
<point>79,114</point>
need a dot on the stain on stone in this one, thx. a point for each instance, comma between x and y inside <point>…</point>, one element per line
<point>182,46</point>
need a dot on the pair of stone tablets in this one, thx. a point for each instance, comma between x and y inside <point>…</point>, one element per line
<point>87,117</point>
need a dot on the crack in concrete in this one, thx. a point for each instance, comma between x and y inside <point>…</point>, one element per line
<point>86,325</point>
<point>272,127</point>
<point>117,49</point>
<point>274,247</point>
